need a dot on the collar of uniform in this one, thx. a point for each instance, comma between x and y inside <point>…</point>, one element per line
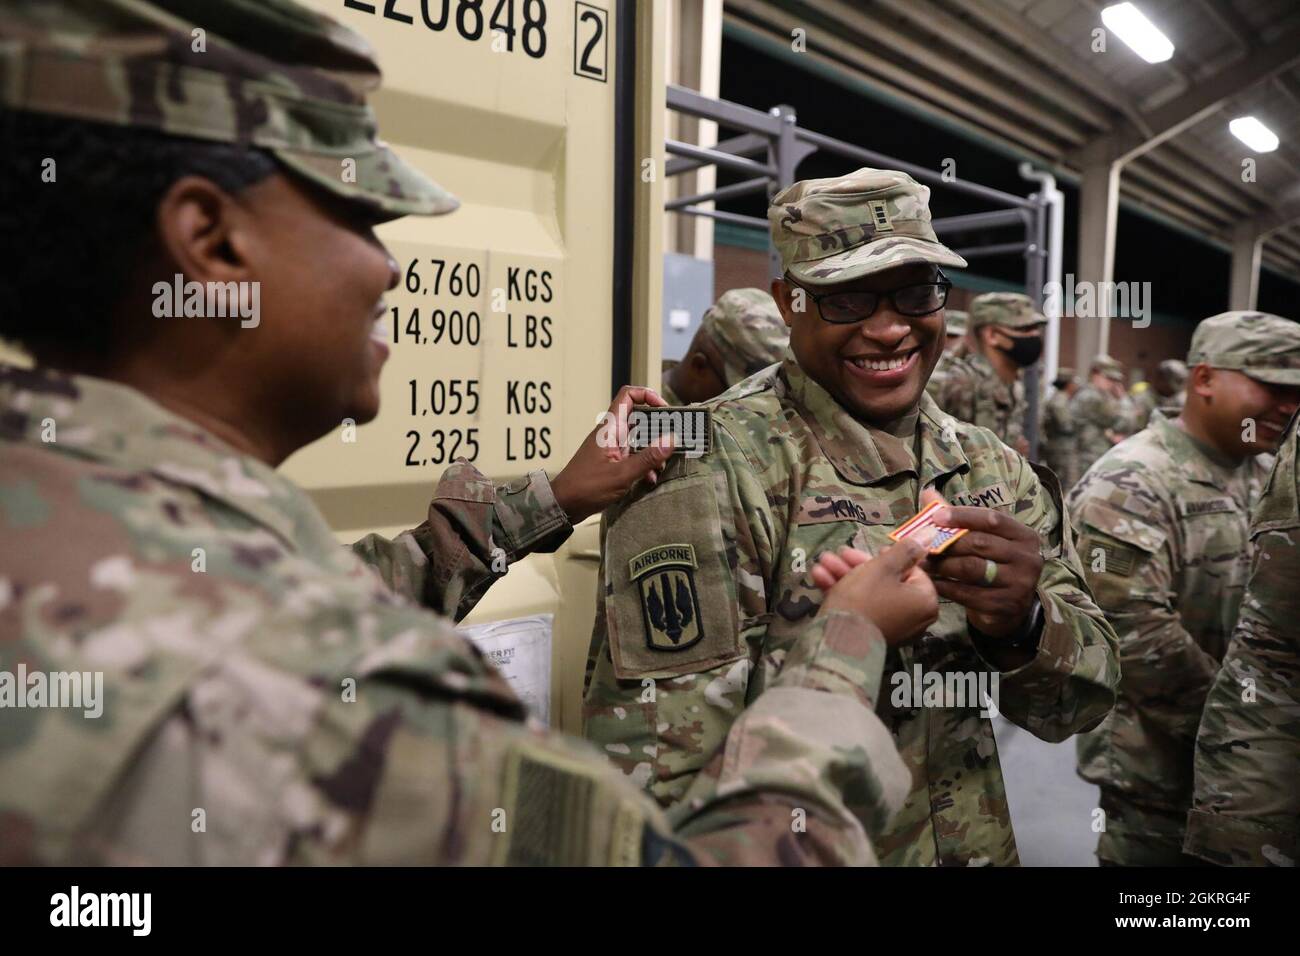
<point>859,453</point>
<point>114,424</point>
<point>1199,462</point>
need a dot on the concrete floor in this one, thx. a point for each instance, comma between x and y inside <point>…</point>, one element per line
<point>1051,807</point>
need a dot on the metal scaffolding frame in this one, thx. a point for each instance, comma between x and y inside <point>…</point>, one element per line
<point>781,145</point>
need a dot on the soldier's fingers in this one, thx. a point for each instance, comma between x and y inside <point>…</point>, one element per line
<point>853,557</point>
<point>928,496</point>
<point>970,596</point>
<point>982,519</point>
<point>833,564</point>
<point>902,556</point>
<point>982,545</point>
<point>969,569</point>
<point>640,395</point>
<point>823,578</point>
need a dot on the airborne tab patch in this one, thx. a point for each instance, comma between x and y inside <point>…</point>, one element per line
<point>670,607</point>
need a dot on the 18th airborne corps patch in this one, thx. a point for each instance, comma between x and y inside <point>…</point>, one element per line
<point>665,577</point>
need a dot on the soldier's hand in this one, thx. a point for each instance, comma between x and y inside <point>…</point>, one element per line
<point>889,589</point>
<point>602,470</point>
<point>992,570</point>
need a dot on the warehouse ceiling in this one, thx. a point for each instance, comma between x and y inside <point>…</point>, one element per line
<point>1024,72</point>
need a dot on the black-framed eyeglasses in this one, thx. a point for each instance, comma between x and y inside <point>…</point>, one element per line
<point>914,301</point>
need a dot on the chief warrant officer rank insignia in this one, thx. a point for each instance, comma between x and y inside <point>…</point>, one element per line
<point>669,604</point>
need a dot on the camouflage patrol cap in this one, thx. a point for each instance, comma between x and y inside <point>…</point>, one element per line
<point>748,330</point>
<point>1174,372</point>
<point>259,73</point>
<point>1014,310</point>
<point>1265,347</point>
<point>1105,365</point>
<point>845,227</point>
<point>1064,375</point>
<point>956,321</point>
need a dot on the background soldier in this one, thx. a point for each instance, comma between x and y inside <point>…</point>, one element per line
<point>837,446</point>
<point>1059,434</point>
<point>1165,392</point>
<point>1163,533</point>
<point>979,381</point>
<point>1246,805</point>
<point>740,334</point>
<point>253,668</point>
<point>1099,415</point>
<point>955,324</point>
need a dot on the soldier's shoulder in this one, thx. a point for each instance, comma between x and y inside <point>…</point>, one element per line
<point>953,367</point>
<point>1137,478</point>
<point>981,446</point>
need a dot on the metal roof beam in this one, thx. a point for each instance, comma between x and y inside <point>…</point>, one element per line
<point>977,45</point>
<point>1231,21</point>
<point>889,76</point>
<point>1054,54</point>
<point>1198,102</point>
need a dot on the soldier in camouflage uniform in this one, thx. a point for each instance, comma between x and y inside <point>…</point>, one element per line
<point>1246,804</point>
<point>1163,523</point>
<point>835,447</point>
<point>955,324</point>
<point>1100,420</point>
<point>268,696</point>
<point>1060,452</point>
<point>979,382</point>
<point>1167,393</point>
<point>739,335</point>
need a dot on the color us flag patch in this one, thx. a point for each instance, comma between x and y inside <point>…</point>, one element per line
<point>921,526</point>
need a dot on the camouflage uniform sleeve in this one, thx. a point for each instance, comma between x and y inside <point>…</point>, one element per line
<point>1129,566</point>
<point>1246,806</point>
<point>1069,686</point>
<point>1016,417</point>
<point>953,389</point>
<point>428,763</point>
<point>662,694</point>
<point>474,530</point>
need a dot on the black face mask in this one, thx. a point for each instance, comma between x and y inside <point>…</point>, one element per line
<point>1024,350</point>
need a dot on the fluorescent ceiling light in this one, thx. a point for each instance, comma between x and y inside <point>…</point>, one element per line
<point>1254,134</point>
<point>1142,36</point>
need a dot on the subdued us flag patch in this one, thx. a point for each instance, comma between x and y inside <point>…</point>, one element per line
<point>670,607</point>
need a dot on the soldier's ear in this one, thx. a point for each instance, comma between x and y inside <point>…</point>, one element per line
<point>1201,381</point>
<point>197,223</point>
<point>782,293</point>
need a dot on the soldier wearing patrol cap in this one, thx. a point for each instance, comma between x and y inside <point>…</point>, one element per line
<point>1163,523</point>
<point>1166,392</point>
<point>1246,805</point>
<point>835,447</point>
<point>297,693</point>
<point>954,328</point>
<point>1099,411</point>
<point>739,335</point>
<point>1060,441</point>
<point>979,382</point>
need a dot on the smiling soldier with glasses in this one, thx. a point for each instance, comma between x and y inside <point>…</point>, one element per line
<point>813,463</point>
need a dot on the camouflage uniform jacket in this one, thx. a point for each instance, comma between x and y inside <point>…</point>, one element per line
<point>1094,414</point>
<point>1059,438</point>
<point>965,386</point>
<point>1163,536</point>
<point>791,475</point>
<point>1246,803</point>
<point>268,699</point>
